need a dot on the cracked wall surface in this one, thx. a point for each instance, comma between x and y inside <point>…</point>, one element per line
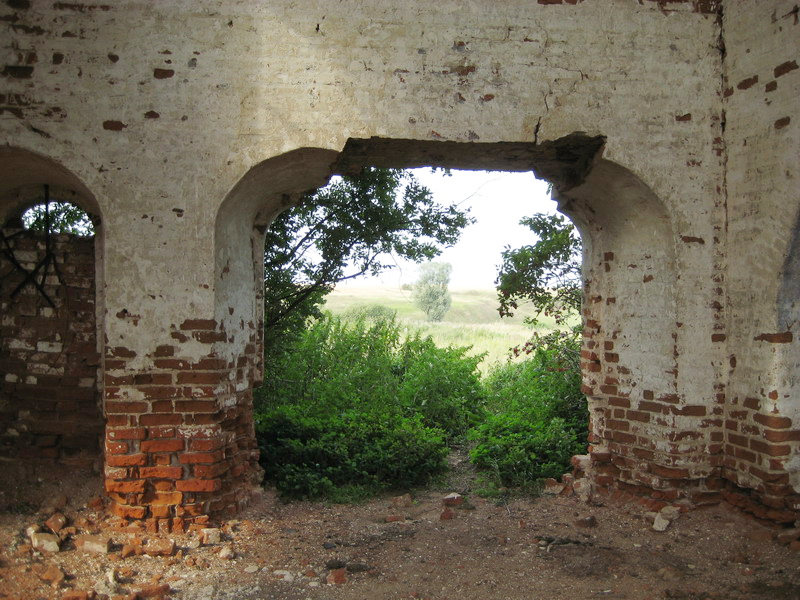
<point>188,126</point>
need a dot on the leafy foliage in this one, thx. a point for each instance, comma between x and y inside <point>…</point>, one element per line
<point>351,409</point>
<point>430,290</point>
<point>58,217</point>
<point>538,417</point>
<point>547,273</point>
<point>350,228</point>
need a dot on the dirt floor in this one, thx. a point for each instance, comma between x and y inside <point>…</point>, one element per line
<point>409,546</point>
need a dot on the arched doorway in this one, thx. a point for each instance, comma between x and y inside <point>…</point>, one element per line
<point>50,407</point>
<point>647,435</point>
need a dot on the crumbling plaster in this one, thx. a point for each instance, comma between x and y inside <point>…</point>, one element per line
<point>190,122</point>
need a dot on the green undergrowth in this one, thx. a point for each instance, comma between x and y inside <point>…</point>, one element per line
<point>353,408</point>
<point>537,418</point>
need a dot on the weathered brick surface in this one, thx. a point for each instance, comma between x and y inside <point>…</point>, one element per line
<point>49,403</point>
<point>669,130</point>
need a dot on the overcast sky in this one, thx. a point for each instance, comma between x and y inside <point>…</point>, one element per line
<point>497,201</point>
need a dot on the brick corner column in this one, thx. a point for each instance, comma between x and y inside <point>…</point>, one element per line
<point>180,441</point>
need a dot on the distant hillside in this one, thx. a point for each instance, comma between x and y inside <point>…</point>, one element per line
<point>473,319</point>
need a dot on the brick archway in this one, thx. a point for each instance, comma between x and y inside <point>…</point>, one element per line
<point>50,386</point>
<point>640,403</point>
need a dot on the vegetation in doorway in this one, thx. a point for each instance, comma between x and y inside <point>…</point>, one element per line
<point>538,416</point>
<point>356,225</point>
<point>355,408</point>
<point>355,405</point>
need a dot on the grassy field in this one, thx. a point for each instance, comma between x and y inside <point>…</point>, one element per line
<point>472,320</point>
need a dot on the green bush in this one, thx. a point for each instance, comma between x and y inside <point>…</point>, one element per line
<point>347,457</point>
<point>538,419</point>
<point>350,409</point>
<point>440,384</point>
<point>519,450</point>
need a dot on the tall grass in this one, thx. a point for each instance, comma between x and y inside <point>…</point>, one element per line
<point>472,321</point>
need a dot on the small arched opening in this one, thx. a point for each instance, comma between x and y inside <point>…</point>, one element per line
<point>50,407</point>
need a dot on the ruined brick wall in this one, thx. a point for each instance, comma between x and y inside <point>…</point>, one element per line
<point>189,125</point>
<point>762,426</point>
<point>49,399</point>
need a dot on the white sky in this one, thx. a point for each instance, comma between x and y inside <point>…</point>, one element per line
<point>497,200</point>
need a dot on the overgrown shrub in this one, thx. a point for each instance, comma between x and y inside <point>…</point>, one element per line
<point>538,419</point>
<point>352,408</point>
<point>440,384</point>
<point>347,456</point>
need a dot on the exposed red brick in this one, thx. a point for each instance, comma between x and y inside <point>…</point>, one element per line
<point>773,421</point>
<point>209,471</point>
<point>747,83</point>
<point>780,124</point>
<point>636,415</point>
<point>209,337</point>
<point>129,512</point>
<point>686,117</point>
<point>164,351</point>
<point>162,406</point>
<point>775,338</point>
<point>116,447</point>
<point>205,445</point>
<point>752,403</point>
<point>669,472</point>
<point>161,472</point>
<point>133,433</point>
<point>784,68</point>
<point>160,433</point>
<point>163,73</point>
<point>126,460</point>
<point>196,406</point>
<point>770,449</point>
<point>199,485</point>
<point>781,436</point>
<point>690,239</point>
<point>126,407</point>
<point>160,419</point>
<point>200,377</point>
<point>152,378</point>
<point>160,392</point>
<point>162,445</point>
<point>188,458</point>
<point>114,125</point>
<point>125,487</point>
<point>199,324</point>
<point>210,364</point>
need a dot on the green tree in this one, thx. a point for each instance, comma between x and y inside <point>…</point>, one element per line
<point>547,273</point>
<point>430,291</point>
<point>58,217</point>
<point>352,227</point>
